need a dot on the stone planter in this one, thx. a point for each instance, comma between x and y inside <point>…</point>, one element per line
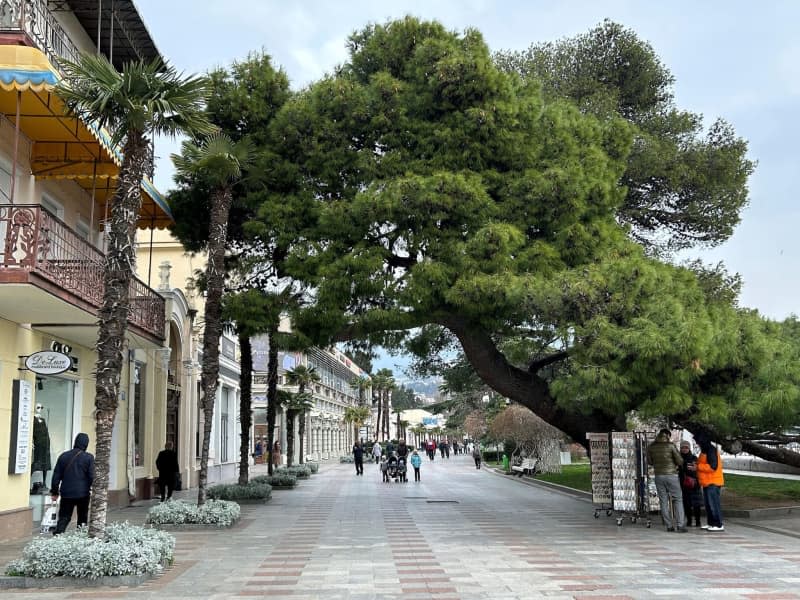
<point>190,526</point>
<point>24,582</point>
<point>284,487</point>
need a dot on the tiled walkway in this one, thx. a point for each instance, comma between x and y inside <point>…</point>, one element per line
<point>459,534</point>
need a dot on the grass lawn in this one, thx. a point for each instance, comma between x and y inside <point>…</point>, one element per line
<point>741,491</point>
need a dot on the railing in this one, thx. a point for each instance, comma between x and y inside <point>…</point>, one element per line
<point>33,18</point>
<point>35,241</point>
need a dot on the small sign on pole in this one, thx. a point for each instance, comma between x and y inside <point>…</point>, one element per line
<point>21,419</point>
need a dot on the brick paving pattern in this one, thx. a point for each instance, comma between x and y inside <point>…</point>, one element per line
<point>460,534</point>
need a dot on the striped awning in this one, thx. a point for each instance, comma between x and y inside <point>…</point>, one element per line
<point>65,147</point>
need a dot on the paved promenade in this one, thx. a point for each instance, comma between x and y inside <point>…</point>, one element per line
<point>460,534</point>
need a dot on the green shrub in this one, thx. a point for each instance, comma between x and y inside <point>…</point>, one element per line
<point>299,471</point>
<point>126,550</point>
<point>252,491</point>
<point>279,479</point>
<point>213,512</point>
<point>347,458</point>
<point>313,466</point>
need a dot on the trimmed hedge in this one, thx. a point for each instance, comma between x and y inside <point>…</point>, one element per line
<point>277,480</point>
<point>213,512</point>
<point>233,491</point>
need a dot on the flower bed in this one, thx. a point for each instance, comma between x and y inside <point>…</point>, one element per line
<point>126,550</point>
<point>253,490</point>
<point>214,512</point>
<point>313,466</point>
<point>279,480</point>
<point>347,458</point>
<point>299,471</point>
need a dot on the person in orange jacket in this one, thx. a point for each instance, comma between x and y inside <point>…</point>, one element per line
<point>710,478</point>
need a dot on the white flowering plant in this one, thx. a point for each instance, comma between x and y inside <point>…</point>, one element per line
<point>313,466</point>
<point>253,490</point>
<point>280,479</point>
<point>125,550</point>
<point>299,471</point>
<point>213,512</point>
<point>347,458</point>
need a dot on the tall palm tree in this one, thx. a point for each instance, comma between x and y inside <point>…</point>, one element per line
<point>218,163</point>
<point>297,406</point>
<point>361,384</point>
<point>356,415</point>
<point>145,99</point>
<point>380,381</point>
<point>387,384</point>
<point>302,377</point>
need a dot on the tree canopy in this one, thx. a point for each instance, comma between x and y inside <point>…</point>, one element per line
<point>444,200</point>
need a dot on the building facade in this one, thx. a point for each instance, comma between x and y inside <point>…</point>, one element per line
<point>57,175</point>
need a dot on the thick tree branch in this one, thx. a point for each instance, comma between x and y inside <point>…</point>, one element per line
<point>522,386</point>
<point>541,363</point>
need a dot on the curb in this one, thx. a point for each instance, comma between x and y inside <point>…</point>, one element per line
<point>7,583</point>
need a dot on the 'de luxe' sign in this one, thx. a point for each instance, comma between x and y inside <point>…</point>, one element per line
<point>48,362</point>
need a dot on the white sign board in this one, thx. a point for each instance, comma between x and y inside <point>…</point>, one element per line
<point>22,409</point>
<point>48,362</point>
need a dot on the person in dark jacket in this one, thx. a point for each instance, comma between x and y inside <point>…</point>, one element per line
<point>358,458</point>
<point>666,460</point>
<point>72,480</point>
<point>167,465</point>
<point>692,494</point>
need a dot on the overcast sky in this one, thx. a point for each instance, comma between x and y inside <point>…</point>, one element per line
<point>733,59</point>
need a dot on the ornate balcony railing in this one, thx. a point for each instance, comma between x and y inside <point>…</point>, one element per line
<point>33,18</point>
<point>35,241</point>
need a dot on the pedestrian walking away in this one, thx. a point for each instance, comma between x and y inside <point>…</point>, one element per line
<point>72,481</point>
<point>376,452</point>
<point>167,465</point>
<point>476,456</point>
<point>385,469</point>
<point>690,487</point>
<point>358,458</point>
<point>709,475</point>
<point>416,462</point>
<point>666,461</point>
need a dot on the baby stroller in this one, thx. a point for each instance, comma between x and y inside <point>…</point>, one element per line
<point>397,468</point>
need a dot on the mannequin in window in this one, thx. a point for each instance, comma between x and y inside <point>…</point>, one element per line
<point>41,449</point>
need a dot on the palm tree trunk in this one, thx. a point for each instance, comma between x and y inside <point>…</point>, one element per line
<point>290,415</point>
<point>379,422</point>
<point>215,282</point>
<point>120,263</point>
<point>301,431</point>
<point>386,415</point>
<point>272,390</point>
<point>245,401</point>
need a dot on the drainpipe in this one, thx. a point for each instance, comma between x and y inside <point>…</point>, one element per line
<point>16,150</point>
<point>131,459</point>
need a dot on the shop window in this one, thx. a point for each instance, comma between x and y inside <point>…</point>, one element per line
<point>52,427</point>
<point>224,423</point>
<point>139,415</point>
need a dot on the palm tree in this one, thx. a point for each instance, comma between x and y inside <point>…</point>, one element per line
<point>302,377</point>
<point>217,162</point>
<point>146,99</point>
<point>356,415</point>
<point>298,404</point>
<point>361,383</point>
<point>380,383</point>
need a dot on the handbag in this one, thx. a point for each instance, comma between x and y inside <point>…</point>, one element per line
<point>689,482</point>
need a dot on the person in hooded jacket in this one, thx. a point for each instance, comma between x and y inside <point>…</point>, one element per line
<point>709,475</point>
<point>666,460</point>
<point>72,480</point>
<point>692,492</point>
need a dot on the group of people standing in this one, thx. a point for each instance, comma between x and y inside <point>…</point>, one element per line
<point>686,482</point>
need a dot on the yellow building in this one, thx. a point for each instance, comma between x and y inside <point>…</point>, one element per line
<point>56,176</point>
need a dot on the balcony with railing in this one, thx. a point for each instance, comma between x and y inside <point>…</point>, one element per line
<point>41,250</point>
<point>33,24</point>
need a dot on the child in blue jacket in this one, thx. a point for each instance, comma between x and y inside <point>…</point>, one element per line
<point>416,462</point>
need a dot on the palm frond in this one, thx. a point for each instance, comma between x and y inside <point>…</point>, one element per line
<point>217,158</point>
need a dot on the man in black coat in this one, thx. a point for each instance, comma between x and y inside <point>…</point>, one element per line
<point>167,465</point>
<point>72,480</point>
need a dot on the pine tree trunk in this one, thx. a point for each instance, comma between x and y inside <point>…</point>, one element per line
<point>120,264</point>
<point>215,282</point>
<point>272,390</point>
<point>245,401</point>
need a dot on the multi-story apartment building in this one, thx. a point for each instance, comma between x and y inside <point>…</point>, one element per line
<point>160,253</point>
<point>57,175</point>
<point>327,434</point>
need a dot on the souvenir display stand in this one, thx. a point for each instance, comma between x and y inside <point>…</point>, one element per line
<point>621,481</point>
